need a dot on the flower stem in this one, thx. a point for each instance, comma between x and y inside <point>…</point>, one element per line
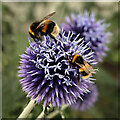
<point>27,109</point>
<point>42,114</point>
<point>51,115</point>
<point>62,116</point>
<point>54,113</point>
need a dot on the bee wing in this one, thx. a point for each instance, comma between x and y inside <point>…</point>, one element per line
<point>89,68</point>
<point>40,25</point>
<point>45,18</point>
<point>48,16</point>
<point>86,66</point>
<point>81,65</point>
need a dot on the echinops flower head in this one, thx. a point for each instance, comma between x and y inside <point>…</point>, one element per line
<point>91,30</point>
<point>46,73</point>
<point>88,101</point>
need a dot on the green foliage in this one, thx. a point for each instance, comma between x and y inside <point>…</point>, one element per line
<point>14,43</point>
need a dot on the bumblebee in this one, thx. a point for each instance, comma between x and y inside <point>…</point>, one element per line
<point>84,68</point>
<point>44,27</point>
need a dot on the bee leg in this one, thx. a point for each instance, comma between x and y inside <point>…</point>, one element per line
<point>53,38</point>
<point>40,39</point>
<point>78,79</point>
<point>66,55</point>
<point>60,35</point>
<point>36,41</point>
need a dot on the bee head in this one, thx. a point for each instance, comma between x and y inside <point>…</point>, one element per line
<point>34,25</point>
<point>69,57</point>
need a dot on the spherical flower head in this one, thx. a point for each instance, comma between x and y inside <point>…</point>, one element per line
<point>46,73</point>
<point>88,101</point>
<point>91,30</point>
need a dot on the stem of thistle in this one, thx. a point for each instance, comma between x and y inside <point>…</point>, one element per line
<point>56,112</point>
<point>42,114</point>
<point>61,113</point>
<point>27,109</point>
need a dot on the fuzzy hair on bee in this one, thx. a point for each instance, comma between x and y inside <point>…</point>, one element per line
<point>44,27</point>
<point>84,68</point>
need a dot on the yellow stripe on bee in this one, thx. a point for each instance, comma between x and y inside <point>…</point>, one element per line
<point>81,70</point>
<point>74,58</point>
<point>87,76</point>
<point>30,31</point>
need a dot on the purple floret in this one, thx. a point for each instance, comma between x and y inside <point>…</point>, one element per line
<point>91,30</point>
<point>46,73</point>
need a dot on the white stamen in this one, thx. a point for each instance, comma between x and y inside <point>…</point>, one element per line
<point>80,98</point>
<point>78,41</point>
<point>90,53</point>
<point>73,94</point>
<point>71,35</point>
<point>91,78</point>
<point>68,36</point>
<point>76,37</point>
<point>51,85</point>
<point>34,73</point>
<point>94,63</point>
<point>67,81</point>
<point>59,75</point>
<point>96,69</point>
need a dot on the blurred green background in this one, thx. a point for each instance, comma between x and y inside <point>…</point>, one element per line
<point>16,18</point>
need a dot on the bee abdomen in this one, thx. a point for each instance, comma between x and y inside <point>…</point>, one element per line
<point>84,74</point>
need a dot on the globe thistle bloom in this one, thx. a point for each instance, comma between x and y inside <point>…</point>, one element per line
<point>91,30</point>
<point>46,73</point>
<point>88,101</point>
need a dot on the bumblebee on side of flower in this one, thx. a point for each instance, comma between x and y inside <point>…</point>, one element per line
<point>84,68</point>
